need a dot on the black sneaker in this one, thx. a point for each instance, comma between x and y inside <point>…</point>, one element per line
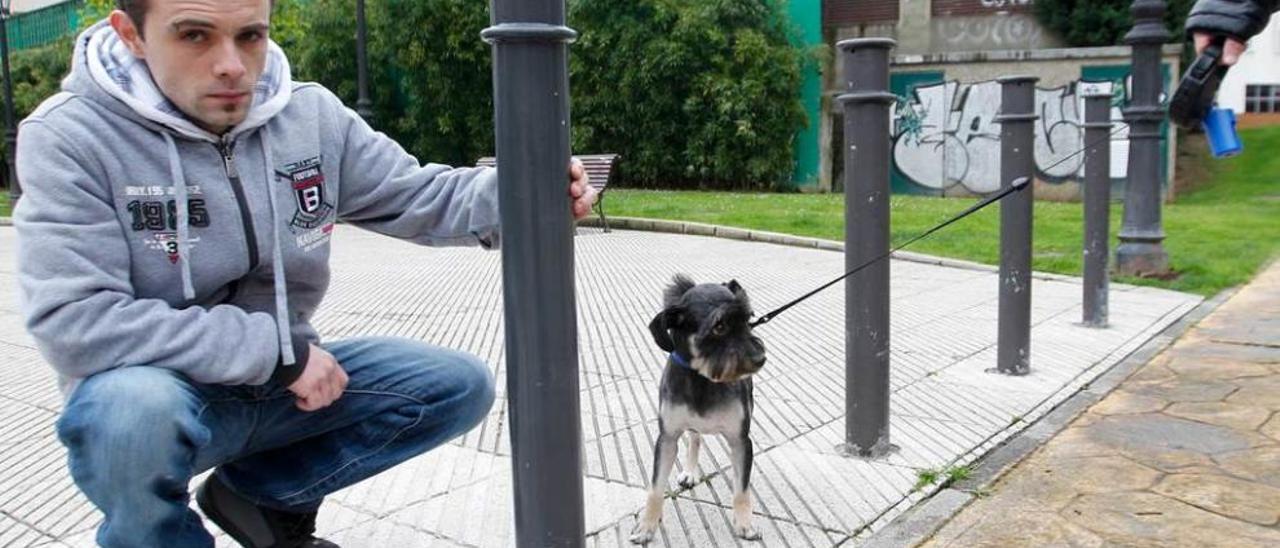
<point>253,526</point>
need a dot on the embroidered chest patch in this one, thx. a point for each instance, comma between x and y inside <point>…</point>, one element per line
<point>306,179</point>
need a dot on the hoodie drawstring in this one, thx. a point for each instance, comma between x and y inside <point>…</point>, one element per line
<point>277,255</point>
<point>180,196</point>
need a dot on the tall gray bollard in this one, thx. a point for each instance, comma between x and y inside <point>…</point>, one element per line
<point>1017,160</point>
<point>1141,250</point>
<point>531,116</point>
<point>866,104</point>
<point>1097,204</point>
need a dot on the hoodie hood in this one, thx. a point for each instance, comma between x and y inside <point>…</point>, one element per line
<point>105,70</point>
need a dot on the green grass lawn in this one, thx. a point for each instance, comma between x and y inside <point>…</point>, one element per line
<point>4,203</point>
<point>1217,235</point>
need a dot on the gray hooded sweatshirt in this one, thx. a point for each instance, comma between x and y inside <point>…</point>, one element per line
<point>146,240</point>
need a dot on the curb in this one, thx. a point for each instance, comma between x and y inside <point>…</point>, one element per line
<point>920,522</point>
<point>732,233</point>
<point>6,221</point>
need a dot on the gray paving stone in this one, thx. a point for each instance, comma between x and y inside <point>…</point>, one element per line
<point>381,533</point>
<point>689,523</point>
<point>816,489</point>
<point>1154,430</point>
<point>481,514</point>
<point>437,472</point>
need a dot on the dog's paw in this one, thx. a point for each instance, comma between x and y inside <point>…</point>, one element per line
<point>746,532</point>
<point>689,479</point>
<point>642,534</point>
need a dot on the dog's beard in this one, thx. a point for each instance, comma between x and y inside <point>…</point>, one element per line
<point>719,372</point>
<point>728,367</point>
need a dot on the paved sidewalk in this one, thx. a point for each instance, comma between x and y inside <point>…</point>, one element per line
<point>945,409</point>
<point>1186,452</point>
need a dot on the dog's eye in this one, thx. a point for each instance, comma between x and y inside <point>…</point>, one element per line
<point>719,329</point>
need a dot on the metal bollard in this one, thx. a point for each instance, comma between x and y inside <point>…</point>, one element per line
<point>531,117</point>
<point>1141,250</point>
<point>1097,204</point>
<point>866,104</point>
<point>1017,160</point>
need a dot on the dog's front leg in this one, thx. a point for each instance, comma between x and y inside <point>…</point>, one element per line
<point>664,457</point>
<point>692,473</point>
<point>742,455</point>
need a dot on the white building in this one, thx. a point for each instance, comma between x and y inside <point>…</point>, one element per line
<point>1252,87</point>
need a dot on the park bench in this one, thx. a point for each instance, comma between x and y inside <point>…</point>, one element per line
<point>599,167</point>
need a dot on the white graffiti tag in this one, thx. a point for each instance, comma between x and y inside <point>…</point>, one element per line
<point>947,139</point>
<point>1004,3</point>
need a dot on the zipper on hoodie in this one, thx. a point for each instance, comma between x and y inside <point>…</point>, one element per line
<point>227,149</point>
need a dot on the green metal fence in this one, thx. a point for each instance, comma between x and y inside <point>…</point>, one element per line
<point>35,28</point>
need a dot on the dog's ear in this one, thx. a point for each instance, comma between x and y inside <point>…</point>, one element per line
<point>680,284</point>
<point>739,293</point>
<point>660,327</point>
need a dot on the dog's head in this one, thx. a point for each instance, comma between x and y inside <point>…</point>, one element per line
<point>709,325</point>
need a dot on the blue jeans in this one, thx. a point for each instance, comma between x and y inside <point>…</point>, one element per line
<point>137,435</point>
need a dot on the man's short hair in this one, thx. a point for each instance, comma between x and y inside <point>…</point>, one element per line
<point>137,11</point>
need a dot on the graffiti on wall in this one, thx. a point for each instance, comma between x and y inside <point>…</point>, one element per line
<point>1004,30</point>
<point>1002,4</point>
<point>947,139</point>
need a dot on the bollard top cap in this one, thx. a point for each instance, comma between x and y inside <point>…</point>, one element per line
<point>867,43</point>
<point>528,32</point>
<point>866,96</point>
<point>1018,79</point>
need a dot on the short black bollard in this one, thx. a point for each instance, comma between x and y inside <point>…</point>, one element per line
<point>1097,203</point>
<point>1017,160</point>
<point>531,128</point>
<point>866,103</point>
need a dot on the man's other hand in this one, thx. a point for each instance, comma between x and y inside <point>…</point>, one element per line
<point>321,383</point>
<point>582,194</point>
<point>1231,50</point>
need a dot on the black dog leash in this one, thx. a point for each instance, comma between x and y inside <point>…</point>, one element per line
<point>1017,185</point>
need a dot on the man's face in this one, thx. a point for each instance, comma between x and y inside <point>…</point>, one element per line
<point>206,55</point>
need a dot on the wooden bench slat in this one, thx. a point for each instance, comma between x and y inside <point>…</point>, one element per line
<point>599,168</point>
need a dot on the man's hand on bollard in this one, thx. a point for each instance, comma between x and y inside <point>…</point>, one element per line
<point>583,194</point>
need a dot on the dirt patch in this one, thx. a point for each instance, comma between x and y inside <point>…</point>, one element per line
<point>1193,164</point>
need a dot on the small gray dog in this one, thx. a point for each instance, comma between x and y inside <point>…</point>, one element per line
<point>706,389</point>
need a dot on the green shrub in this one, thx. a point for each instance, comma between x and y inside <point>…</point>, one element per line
<point>701,94</point>
<point>692,94</point>
<point>37,74</point>
<point>429,73</point>
<point>1102,22</point>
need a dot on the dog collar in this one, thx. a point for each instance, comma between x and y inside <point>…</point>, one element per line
<point>680,361</point>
